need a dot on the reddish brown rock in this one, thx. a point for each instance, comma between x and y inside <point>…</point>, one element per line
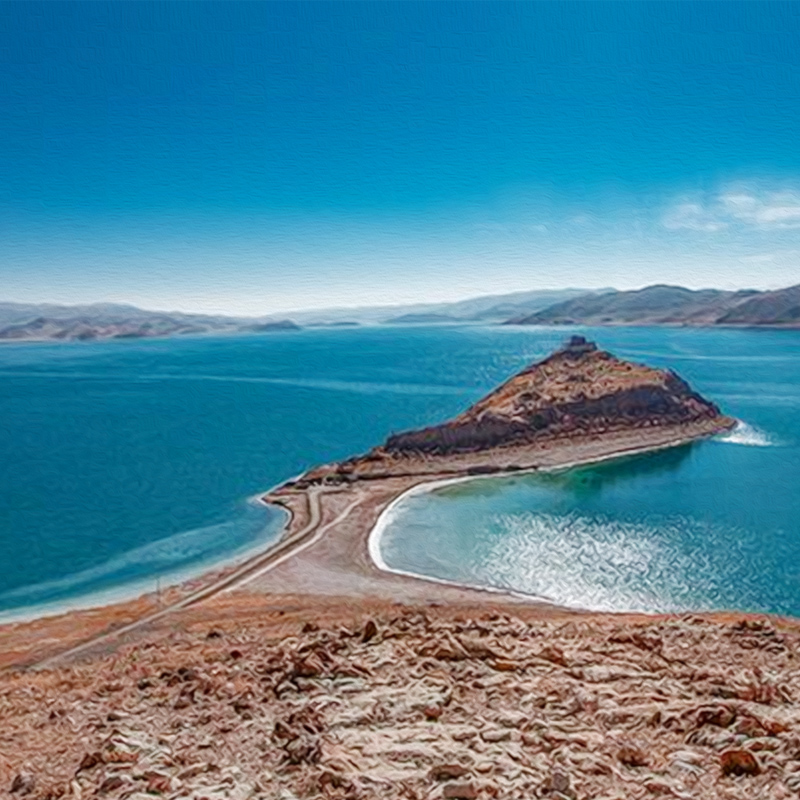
<point>560,782</point>
<point>370,631</point>
<point>459,791</point>
<point>632,755</point>
<point>447,772</point>
<point>111,784</point>
<point>23,783</point>
<point>157,783</point>
<point>739,762</point>
<point>90,761</point>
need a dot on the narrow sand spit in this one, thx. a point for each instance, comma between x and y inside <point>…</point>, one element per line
<point>346,560</point>
<point>325,552</point>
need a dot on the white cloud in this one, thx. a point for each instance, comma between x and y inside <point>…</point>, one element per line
<point>693,217</point>
<point>738,206</point>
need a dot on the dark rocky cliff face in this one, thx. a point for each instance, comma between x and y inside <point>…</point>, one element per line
<point>578,390</point>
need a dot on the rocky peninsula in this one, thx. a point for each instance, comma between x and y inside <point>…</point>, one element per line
<point>577,397</point>
<point>307,672</point>
<point>578,405</point>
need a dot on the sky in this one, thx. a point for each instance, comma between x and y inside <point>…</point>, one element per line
<point>253,158</point>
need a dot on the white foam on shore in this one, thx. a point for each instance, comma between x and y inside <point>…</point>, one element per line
<point>388,515</point>
<point>747,435</point>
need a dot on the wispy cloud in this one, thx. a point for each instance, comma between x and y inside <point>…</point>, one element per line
<point>736,206</point>
<point>693,217</point>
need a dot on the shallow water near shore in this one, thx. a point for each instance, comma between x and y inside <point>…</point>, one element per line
<point>126,463</point>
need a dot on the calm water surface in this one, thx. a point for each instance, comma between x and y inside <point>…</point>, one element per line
<point>123,462</point>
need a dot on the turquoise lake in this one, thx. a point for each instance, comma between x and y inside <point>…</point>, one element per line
<point>125,463</point>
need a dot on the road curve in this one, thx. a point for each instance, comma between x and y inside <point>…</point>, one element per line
<point>305,537</point>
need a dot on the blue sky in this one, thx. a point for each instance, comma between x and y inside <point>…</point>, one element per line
<point>253,158</point>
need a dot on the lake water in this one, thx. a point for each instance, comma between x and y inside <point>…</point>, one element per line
<point>122,463</point>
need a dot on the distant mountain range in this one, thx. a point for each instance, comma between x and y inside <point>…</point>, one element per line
<point>486,309</point>
<point>673,305</point>
<point>36,322</point>
<point>654,305</point>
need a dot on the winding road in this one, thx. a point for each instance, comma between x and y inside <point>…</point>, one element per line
<point>308,535</point>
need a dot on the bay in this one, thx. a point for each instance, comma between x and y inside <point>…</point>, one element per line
<point>127,463</point>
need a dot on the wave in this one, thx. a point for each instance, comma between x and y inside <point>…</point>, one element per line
<point>747,435</point>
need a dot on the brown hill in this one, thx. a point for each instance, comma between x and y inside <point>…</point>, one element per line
<point>674,305</point>
<point>767,308</point>
<point>577,390</point>
<point>653,305</point>
<point>578,396</point>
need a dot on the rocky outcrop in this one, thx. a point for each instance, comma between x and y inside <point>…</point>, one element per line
<point>397,703</point>
<point>578,390</point>
<point>580,399</point>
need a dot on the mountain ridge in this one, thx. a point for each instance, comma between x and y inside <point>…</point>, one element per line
<point>659,304</point>
<point>662,304</point>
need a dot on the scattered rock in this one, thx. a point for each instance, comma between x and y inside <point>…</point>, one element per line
<point>739,762</point>
<point>496,735</point>
<point>719,716</point>
<point>504,665</point>
<point>23,783</point>
<point>459,791</point>
<point>447,772</point>
<point>324,714</point>
<point>370,631</point>
<point>632,756</point>
<point>90,761</point>
<point>158,783</point>
<point>111,784</point>
<point>560,782</point>
<point>750,727</point>
<point>432,712</point>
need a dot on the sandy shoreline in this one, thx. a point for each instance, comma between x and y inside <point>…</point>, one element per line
<point>328,550</point>
<point>376,534</point>
<point>351,561</point>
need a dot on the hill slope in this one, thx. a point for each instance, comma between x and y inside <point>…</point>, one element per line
<point>578,397</point>
<point>767,308</point>
<point>47,322</point>
<point>577,390</point>
<point>673,305</point>
<point>486,308</point>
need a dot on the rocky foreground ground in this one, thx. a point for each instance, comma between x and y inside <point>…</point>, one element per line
<point>416,703</point>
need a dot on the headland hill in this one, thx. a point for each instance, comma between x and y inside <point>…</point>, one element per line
<point>322,677</point>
